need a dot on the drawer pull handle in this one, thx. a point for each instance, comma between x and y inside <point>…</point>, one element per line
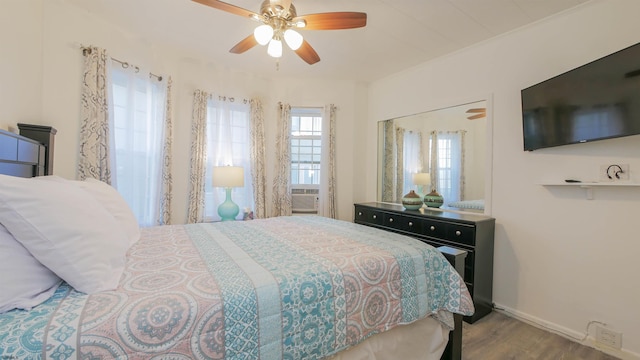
<point>375,217</point>
<point>432,228</point>
<point>410,223</point>
<point>390,219</point>
<point>458,233</point>
<point>359,213</point>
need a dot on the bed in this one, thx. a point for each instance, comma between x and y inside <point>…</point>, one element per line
<point>301,287</point>
<point>477,205</point>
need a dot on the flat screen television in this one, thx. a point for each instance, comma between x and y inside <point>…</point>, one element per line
<point>596,101</point>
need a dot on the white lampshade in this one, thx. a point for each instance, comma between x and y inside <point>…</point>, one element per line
<point>293,39</point>
<point>228,176</point>
<point>263,34</point>
<point>421,179</point>
<point>275,48</point>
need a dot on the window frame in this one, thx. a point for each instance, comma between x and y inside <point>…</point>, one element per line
<point>315,136</point>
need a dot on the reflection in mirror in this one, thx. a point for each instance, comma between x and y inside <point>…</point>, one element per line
<point>447,144</point>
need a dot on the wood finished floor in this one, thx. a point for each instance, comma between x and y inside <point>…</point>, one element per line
<point>500,337</point>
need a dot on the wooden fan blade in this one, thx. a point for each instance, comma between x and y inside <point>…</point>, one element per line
<point>476,110</point>
<point>307,53</point>
<point>477,116</point>
<point>333,20</point>
<point>228,8</point>
<point>244,45</point>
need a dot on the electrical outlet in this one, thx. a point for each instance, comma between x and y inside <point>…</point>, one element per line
<point>614,172</point>
<point>611,338</point>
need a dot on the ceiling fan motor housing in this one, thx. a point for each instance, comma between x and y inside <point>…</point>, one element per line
<point>269,11</point>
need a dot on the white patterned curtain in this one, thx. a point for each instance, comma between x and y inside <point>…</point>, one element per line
<point>166,185</point>
<point>258,169</point>
<point>228,144</point>
<point>96,119</point>
<point>412,158</point>
<point>140,124</point>
<point>433,160</point>
<point>195,212</point>
<point>389,179</point>
<point>282,178</point>
<point>399,190</point>
<point>327,204</point>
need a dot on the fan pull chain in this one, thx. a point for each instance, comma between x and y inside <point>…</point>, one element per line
<point>277,64</point>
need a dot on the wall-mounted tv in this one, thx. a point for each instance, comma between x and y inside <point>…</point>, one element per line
<point>599,100</point>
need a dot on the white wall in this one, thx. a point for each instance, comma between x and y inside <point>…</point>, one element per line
<point>42,76</point>
<point>20,39</point>
<point>560,260</point>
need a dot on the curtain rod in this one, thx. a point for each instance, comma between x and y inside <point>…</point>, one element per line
<point>86,51</point>
<point>307,107</point>
<point>225,98</point>
<point>230,98</point>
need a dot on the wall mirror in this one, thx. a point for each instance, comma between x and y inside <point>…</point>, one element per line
<point>450,144</point>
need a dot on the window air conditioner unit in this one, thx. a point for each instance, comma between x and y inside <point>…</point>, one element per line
<point>304,200</point>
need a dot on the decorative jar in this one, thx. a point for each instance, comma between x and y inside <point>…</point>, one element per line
<point>412,201</point>
<point>433,199</point>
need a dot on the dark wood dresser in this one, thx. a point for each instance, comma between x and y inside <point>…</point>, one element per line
<point>470,232</point>
<point>20,156</point>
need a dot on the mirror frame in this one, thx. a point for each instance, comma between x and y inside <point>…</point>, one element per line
<point>488,171</point>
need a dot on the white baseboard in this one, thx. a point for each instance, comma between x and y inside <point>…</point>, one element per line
<point>581,338</point>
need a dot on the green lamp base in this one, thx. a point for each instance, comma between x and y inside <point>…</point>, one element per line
<point>228,210</point>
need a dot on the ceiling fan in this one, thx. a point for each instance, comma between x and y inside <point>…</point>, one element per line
<point>478,113</point>
<point>280,21</point>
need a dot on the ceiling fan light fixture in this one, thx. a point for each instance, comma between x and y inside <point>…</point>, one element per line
<point>263,34</point>
<point>293,39</point>
<point>275,48</point>
<point>278,16</point>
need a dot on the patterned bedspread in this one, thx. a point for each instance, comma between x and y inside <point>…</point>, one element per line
<point>281,288</point>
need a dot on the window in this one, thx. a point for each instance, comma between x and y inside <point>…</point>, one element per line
<point>306,158</point>
<point>228,143</point>
<point>306,146</point>
<point>449,165</point>
<point>138,131</point>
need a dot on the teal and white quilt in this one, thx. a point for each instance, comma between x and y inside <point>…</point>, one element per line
<point>280,288</point>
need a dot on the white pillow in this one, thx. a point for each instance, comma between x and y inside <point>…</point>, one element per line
<point>25,282</point>
<point>111,199</point>
<point>65,229</point>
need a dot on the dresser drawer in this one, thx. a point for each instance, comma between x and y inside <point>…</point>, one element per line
<point>461,234</point>
<point>436,229</point>
<point>28,151</point>
<point>369,216</point>
<point>400,222</point>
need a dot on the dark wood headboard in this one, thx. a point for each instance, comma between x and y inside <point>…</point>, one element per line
<point>23,156</point>
<point>45,135</point>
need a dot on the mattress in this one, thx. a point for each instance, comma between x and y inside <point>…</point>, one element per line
<point>280,288</point>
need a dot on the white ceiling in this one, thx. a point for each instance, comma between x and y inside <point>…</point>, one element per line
<point>399,33</point>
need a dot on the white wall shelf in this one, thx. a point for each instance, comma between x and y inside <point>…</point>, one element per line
<point>589,186</point>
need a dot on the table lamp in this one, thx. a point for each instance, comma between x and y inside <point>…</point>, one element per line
<point>228,177</point>
<point>422,180</point>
